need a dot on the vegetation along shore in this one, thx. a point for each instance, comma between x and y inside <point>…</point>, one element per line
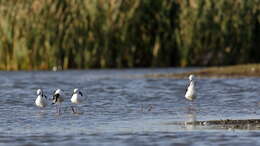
<point>76,34</point>
<point>246,70</point>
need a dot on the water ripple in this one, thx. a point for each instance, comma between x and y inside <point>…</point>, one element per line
<point>124,108</point>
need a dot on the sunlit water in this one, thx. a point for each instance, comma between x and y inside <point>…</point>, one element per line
<point>122,107</point>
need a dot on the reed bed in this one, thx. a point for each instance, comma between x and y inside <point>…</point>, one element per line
<point>75,34</point>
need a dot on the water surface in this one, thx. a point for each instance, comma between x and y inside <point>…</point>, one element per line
<point>122,107</point>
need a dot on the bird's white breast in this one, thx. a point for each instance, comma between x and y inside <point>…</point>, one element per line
<point>191,92</point>
<point>41,101</point>
<point>76,98</point>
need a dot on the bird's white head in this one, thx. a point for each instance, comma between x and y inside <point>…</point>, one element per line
<point>39,91</point>
<point>76,90</point>
<point>58,91</point>
<point>191,77</point>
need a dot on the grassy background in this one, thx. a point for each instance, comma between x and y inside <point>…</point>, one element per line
<point>41,34</point>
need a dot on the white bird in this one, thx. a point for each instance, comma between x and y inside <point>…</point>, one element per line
<point>58,98</point>
<point>76,98</point>
<point>191,91</point>
<point>41,100</point>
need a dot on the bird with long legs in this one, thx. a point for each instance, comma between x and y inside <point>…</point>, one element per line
<point>58,98</point>
<point>76,98</point>
<point>41,100</point>
<point>191,93</point>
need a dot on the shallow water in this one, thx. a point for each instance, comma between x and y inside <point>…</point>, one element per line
<point>124,108</point>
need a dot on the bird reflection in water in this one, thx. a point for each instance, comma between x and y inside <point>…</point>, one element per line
<point>191,117</point>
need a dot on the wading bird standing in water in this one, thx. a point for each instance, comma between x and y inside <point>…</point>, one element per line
<point>57,99</point>
<point>76,98</point>
<point>191,91</point>
<point>41,100</point>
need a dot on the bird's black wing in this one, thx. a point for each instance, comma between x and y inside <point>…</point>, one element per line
<point>55,98</point>
<point>80,93</point>
<point>187,86</point>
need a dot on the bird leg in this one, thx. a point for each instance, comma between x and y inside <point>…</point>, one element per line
<point>59,108</point>
<point>77,107</point>
<point>73,110</point>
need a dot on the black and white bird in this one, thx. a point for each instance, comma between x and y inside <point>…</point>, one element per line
<point>58,98</point>
<point>41,100</point>
<point>76,98</point>
<point>191,90</point>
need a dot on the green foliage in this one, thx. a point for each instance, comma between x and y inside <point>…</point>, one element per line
<point>219,32</point>
<point>42,34</point>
